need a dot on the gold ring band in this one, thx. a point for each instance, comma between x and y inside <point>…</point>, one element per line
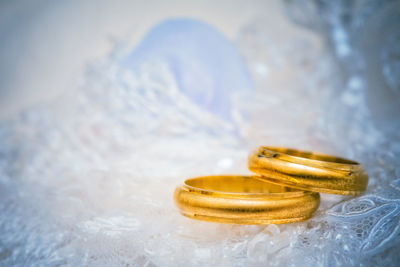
<point>243,200</point>
<point>309,171</point>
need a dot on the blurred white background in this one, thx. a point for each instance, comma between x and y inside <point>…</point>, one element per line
<point>45,45</point>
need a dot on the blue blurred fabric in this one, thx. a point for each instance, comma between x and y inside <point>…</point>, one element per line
<point>207,66</point>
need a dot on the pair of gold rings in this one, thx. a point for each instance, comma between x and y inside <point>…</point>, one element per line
<point>284,189</point>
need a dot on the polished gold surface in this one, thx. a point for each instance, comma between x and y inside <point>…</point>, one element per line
<point>243,200</point>
<point>309,171</point>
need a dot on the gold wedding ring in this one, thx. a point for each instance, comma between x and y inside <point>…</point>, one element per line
<point>309,171</point>
<point>243,200</point>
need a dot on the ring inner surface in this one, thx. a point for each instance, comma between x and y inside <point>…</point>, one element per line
<point>236,184</point>
<point>311,155</point>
